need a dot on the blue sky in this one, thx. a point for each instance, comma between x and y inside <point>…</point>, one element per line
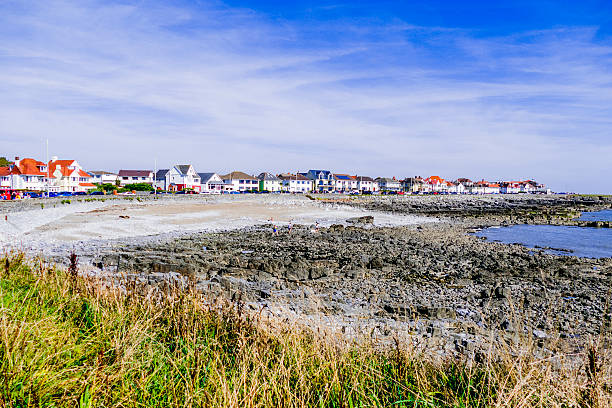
<point>478,89</point>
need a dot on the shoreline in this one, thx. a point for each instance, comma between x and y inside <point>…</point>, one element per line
<point>432,283</point>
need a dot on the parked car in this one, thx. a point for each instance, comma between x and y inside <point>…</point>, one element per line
<point>79,193</point>
<point>97,193</point>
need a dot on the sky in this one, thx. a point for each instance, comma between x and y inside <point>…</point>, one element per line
<point>478,89</point>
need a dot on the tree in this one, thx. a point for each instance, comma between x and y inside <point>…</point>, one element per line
<point>4,162</point>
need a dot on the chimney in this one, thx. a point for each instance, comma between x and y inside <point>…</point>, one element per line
<point>54,158</point>
<point>16,158</point>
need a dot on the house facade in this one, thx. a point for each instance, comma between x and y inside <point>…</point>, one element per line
<point>389,184</point>
<point>104,177</point>
<point>25,174</point>
<point>295,183</point>
<point>366,184</point>
<point>239,181</point>
<point>136,176</point>
<point>436,184</point>
<point>343,183</point>
<point>269,182</point>
<point>68,175</point>
<point>178,178</point>
<point>211,183</point>
<point>412,184</point>
<point>323,180</point>
<point>485,187</point>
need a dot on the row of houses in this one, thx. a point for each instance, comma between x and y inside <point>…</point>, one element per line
<point>68,175</point>
<point>54,176</point>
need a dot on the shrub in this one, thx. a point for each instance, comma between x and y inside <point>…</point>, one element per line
<point>139,187</point>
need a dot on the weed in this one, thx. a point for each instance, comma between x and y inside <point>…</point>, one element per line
<point>129,344</point>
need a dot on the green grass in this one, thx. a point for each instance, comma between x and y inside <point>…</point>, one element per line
<point>68,341</point>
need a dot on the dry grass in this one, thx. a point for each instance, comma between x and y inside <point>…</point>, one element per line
<point>71,341</point>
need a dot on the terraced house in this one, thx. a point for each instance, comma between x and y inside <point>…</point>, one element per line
<point>343,183</point>
<point>323,180</point>
<point>295,183</point>
<point>366,184</point>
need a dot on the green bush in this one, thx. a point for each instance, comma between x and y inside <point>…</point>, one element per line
<point>139,187</point>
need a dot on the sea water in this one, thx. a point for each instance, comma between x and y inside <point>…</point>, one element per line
<point>605,215</point>
<point>559,239</point>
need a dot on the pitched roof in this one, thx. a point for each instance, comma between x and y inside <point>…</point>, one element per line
<point>434,180</point>
<point>364,178</point>
<point>342,177</point>
<point>102,173</point>
<point>205,177</point>
<point>134,173</point>
<point>387,179</point>
<point>293,177</point>
<point>237,175</point>
<point>5,171</point>
<point>30,167</point>
<point>183,168</point>
<point>268,177</point>
<point>161,173</point>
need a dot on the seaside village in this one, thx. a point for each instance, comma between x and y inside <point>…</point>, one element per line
<point>27,177</point>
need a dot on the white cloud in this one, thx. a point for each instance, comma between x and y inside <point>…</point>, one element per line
<point>119,85</point>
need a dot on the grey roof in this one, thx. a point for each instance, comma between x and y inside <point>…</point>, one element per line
<point>161,174</point>
<point>268,176</point>
<point>364,178</point>
<point>183,168</point>
<point>102,172</point>
<point>293,177</point>
<point>204,177</point>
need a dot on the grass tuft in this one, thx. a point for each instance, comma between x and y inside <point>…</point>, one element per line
<point>69,340</point>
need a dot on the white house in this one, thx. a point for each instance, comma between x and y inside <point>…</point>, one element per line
<point>389,184</point>
<point>269,182</point>
<point>68,175</point>
<point>343,183</point>
<point>25,174</point>
<point>365,183</point>
<point>436,184</point>
<point>178,178</point>
<point>5,178</point>
<point>135,176</point>
<point>455,188</point>
<point>295,183</point>
<point>211,183</point>
<point>104,177</point>
<point>484,187</point>
<point>239,181</point>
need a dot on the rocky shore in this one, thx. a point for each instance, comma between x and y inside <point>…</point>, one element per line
<point>433,283</point>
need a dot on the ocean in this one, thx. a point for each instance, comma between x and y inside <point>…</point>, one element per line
<point>559,240</point>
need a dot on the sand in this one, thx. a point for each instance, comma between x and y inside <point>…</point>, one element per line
<point>118,219</point>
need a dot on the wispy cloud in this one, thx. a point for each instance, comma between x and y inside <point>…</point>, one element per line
<point>119,84</point>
